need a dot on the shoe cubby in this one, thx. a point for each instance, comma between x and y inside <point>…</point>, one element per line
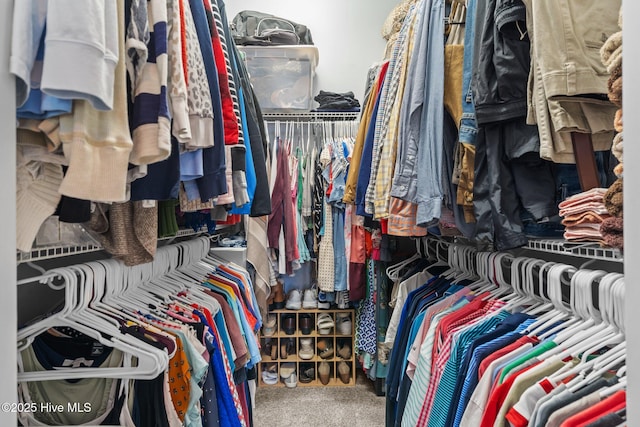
<point>309,340</point>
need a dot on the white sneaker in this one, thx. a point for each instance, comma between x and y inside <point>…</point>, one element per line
<point>295,300</point>
<point>309,299</point>
<point>306,349</point>
<point>343,322</point>
<point>269,378</point>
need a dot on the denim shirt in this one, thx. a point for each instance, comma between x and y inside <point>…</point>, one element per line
<point>468,125</point>
<point>430,151</point>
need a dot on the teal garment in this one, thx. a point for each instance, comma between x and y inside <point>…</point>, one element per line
<point>415,327</point>
<point>225,337</point>
<point>198,369</point>
<point>422,374</point>
<point>535,352</point>
<point>446,387</point>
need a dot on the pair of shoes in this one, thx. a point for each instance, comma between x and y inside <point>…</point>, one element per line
<point>294,302</point>
<point>325,324</point>
<point>324,372</point>
<point>289,324</point>
<point>270,350</point>
<point>323,304</point>
<point>276,297</point>
<point>310,299</point>
<point>287,349</point>
<point>269,326</point>
<point>344,372</point>
<point>342,299</point>
<point>306,349</point>
<point>233,242</point>
<point>343,322</point>
<point>345,351</point>
<point>306,324</point>
<point>288,374</point>
<point>307,375</point>
<point>270,374</point>
<point>323,345</point>
<point>291,381</point>
<point>327,353</point>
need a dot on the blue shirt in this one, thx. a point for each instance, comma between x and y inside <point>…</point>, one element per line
<point>509,324</point>
<point>445,393</point>
<point>479,354</point>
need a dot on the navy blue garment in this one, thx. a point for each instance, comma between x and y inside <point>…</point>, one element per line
<point>162,180</point>
<point>261,204</point>
<point>405,382</point>
<point>74,211</point>
<point>364,174</point>
<point>209,402</point>
<point>416,300</point>
<point>507,325</point>
<point>214,181</point>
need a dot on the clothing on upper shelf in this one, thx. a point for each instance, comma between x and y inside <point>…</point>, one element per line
<point>583,216</point>
<point>495,176</point>
<point>161,108</point>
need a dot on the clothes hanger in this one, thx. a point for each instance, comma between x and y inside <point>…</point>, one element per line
<point>579,305</point>
<point>572,342</point>
<point>394,271</point>
<point>148,367</point>
<point>554,291</point>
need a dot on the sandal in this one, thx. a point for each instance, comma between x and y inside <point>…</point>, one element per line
<point>328,353</point>
<point>325,324</point>
<point>269,327</point>
<point>345,352</point>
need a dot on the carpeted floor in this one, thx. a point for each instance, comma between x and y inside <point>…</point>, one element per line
<point>320,406</point>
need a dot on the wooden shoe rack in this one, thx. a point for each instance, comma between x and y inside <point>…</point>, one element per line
<point>334,338</point>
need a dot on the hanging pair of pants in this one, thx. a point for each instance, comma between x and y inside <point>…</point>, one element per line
<point>510,177</point>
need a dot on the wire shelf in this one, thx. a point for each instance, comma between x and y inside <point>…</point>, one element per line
<point>313,115</point>
<point>586,250</point>
<point>57,251</point>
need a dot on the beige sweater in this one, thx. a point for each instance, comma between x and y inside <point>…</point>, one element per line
<point>98,143</point>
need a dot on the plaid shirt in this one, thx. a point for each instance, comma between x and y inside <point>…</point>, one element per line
<point>389,111</point>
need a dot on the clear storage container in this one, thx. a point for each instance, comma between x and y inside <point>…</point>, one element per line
<point>282,76</point>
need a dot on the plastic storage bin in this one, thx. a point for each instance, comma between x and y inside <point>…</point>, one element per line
<point>282,76</point>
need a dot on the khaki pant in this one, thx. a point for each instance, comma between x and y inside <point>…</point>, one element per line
<point>566,37</point>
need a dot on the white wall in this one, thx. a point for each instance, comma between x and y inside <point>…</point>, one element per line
<point>346,32</point>
<point>8,312</point>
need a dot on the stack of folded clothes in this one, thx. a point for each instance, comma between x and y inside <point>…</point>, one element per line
<point>331,101</point>
<point>583,215</point>
<point>612,227</point>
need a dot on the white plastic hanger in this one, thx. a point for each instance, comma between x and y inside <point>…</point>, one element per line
<point>147,368</point>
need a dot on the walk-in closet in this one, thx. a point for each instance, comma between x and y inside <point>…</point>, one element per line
<point>394,213</point>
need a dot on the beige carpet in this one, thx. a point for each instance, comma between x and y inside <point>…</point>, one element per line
<point>320,406</point>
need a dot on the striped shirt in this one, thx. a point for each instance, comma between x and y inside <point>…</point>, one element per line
<point>388,109</point>
<point>423,370</point>
<point>381,185</point>
<point>471,376</point>
<point>441,355</point>
<point>445,391</point>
